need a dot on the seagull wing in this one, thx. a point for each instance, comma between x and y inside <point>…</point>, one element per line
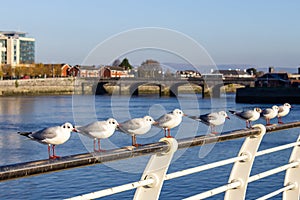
<point>130,125</point>
<point>246,115</point>
<point>267,111</point>
<point>98,126</point>
<point>207,118</point>
<point>47,133</point>
<point>281,109</point>
<point>164,119</point>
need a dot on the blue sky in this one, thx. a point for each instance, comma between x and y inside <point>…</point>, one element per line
<point>262,33</point>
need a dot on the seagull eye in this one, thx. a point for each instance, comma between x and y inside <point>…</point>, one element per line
<point>64,126</point>
<point>68,126</point>
<point>113,122</point>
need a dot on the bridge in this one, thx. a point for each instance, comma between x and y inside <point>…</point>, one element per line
<point>155,174</point>
<point>167,86</point>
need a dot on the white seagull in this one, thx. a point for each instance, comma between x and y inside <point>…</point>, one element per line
<point>137,126</point>
<point>248,115</point>
<point>212,119</point>
<point>99,130</point>
<point>170,120</point>
<point>270,113</point>
<point>283,111</point>
<point>52,136</point>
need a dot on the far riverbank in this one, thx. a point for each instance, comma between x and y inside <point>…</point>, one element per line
<point>68,86</point>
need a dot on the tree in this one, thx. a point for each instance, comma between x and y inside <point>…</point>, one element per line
<point>117,62</point>
<point>251,71</point>
<point>125,63</point>
<point>7,71</point>
<point>150,69</point>
<point>169,74</point>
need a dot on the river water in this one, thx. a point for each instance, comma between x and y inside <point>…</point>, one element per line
<point>37,112</point>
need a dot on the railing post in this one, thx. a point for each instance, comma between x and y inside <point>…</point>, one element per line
<point>156,169</point>
<point>292,176</point>
<point>241,169</point>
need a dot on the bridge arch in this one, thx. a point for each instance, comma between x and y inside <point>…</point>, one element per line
<point>134,88</point>
<point>174,88</point>
<point>100,90</point>
<point>216,89</point>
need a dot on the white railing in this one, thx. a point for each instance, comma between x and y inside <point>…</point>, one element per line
<point>155,173</point>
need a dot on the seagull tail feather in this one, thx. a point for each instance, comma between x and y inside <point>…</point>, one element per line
<point>194,118</point>
<point>232,111</point>
<point>25,134</point>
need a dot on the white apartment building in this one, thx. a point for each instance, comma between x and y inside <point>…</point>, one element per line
<point>16,48</point>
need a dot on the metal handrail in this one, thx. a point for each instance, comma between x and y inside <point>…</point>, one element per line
<point>209,193</point>
<point>272,194</point>
<point>114,190</point>
<point>80,160</point>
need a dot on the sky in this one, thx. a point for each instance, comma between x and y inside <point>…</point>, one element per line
<point>262,33</point>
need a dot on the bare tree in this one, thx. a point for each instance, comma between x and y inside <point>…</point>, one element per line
<point>150,69</point>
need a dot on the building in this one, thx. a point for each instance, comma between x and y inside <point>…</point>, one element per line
<point>16,48</point>
<point>65,69</point>
<point>114,72</point>
<point>280,79</point>
<point>188,74</point>
<point>88,71</point>
<point>237,73</point>
<point>74,71</point>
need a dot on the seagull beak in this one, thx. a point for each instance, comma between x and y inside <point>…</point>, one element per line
<point>74,130</point>
<point>228,117</point>
<point>185,115</point>
<point>118,126</point>
<point>155,123</point>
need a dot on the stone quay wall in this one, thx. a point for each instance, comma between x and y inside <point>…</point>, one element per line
<point>37,86</point>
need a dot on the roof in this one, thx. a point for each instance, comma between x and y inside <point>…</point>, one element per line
<point>276,76</point>
<point>230,72</point>
<point>12,33</point>
<point>115,68</point>
<point>87,68</point>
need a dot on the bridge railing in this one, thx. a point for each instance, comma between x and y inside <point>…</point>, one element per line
<point>150,184</point>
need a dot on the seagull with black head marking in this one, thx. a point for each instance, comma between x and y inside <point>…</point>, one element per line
<point>137,126</point>
<point>270,113</point>
<point>52,136</point>
<point>212,119</point>
<point>99,130</point>
<point>283,111</point>
<point>170,120</point>
<point>248,115</point>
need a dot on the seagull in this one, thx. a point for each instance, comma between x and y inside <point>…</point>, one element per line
<point>137,126</point>
<point>170,120</point>
<point>270,113</point>
<point>52,136</point>
<point>248,115</point>
<point>99,130</point>
<point>283,111</point>
<point>212,119</point>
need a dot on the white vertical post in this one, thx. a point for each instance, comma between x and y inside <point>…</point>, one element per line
<point>156,169</point>
<point>292,175</point>
<point>241,169</point>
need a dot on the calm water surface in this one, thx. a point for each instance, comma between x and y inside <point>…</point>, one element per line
<point>34,113</point>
